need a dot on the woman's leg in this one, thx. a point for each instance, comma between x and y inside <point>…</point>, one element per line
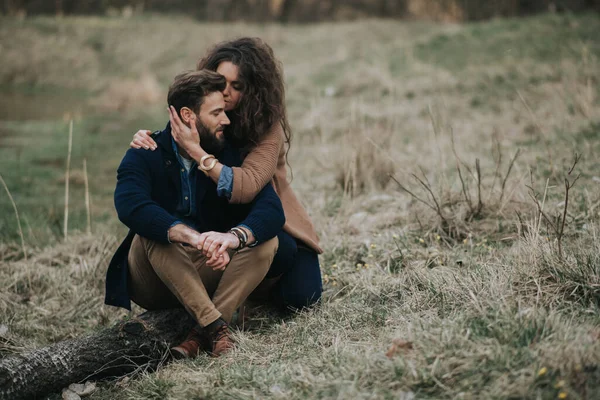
<point>300,285</point>
<point>294,278</point>
<point>285,256</point>
<point>284,260</point>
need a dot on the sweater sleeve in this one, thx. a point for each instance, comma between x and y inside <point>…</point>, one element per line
<point>266,217</point>
<point>258,167</point>
<point>134,203</point>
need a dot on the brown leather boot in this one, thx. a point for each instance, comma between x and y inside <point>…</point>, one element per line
<point>191,346</point>
<point>221,341</point>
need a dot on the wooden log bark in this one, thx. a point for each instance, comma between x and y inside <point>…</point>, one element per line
<point>137,343</point>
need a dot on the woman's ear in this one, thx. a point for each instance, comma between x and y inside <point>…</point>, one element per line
<point>186,115</point>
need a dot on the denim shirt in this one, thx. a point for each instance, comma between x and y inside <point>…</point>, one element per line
<point>186,207</point>
<point>225,184</point>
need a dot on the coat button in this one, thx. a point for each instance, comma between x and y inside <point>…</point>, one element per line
<point>168,163</point>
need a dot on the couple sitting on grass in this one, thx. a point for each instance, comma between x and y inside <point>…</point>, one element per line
<point>211,214</point>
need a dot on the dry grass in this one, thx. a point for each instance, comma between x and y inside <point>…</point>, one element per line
<point>465,271</point>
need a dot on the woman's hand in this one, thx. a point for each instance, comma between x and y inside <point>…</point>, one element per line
<point>187,137</point>
<point>214,246</point>
<point>142,139</point>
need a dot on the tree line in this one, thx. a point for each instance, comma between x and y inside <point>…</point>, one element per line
<point>301,10</point>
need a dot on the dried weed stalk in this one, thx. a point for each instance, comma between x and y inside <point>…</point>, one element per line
<point>67,172</point>
<point>12,201</point>
<point>558,223</point>
<point>87,198</point>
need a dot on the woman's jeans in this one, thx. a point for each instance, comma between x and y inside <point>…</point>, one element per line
<point>297,265</point>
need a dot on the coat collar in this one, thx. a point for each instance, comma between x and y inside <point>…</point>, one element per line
<point>163,139</point>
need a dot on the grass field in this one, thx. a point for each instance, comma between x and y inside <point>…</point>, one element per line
<point>432,159</point>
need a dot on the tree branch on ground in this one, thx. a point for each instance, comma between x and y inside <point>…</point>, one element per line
<point>137,344</point>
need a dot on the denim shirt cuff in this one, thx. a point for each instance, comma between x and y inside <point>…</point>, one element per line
<point>225,183</point>
<point>172,225</point>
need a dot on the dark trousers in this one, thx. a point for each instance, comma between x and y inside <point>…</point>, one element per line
<point>297,265</point>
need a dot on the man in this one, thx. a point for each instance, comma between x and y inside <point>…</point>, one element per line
<point>186,245</point>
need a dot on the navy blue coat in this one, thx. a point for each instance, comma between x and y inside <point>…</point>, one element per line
<point>146,196</point>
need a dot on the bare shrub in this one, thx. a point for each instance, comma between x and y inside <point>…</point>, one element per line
<point>458,204</point>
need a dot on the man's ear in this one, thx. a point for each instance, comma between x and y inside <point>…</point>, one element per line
<point>186,115</point>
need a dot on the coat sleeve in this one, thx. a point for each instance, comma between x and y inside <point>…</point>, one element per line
<point>266,217</point>
<point>258,167</point>
<point>133,199</point>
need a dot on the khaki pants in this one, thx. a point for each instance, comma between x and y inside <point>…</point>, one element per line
<point>170,275</point>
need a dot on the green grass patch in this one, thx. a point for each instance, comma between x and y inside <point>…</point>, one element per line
<point>543,40</point>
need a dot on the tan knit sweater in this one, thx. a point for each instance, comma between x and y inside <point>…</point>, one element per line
<point>264,163</point>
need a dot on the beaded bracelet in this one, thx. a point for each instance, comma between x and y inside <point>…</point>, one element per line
<point>241,235</point>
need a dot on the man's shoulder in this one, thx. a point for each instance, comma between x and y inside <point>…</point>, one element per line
<point>142,158</point>
<point>143,154</point>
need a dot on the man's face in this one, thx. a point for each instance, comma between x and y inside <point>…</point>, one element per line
<point>211,121</point>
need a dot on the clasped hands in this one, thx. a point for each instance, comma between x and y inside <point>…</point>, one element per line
<point>213,245</point>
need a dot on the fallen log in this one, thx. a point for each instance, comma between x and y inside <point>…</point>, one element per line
<point>141,342</point>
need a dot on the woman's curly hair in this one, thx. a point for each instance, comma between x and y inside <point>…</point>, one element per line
<point>263,95</point>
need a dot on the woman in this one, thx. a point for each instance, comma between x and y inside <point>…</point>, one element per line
<point>255,104</point>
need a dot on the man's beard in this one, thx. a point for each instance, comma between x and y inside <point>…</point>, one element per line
<point>210,142</point>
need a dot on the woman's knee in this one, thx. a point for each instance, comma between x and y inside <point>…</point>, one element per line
<point>302,286</point>
<point>304,298</point>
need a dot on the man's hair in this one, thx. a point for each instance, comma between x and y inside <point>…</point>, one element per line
<point>189,89</point>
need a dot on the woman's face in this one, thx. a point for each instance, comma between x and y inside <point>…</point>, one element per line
<point>233,90</point>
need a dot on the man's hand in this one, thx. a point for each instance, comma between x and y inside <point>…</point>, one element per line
<point>214,246</point>
<point>186,137</point>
